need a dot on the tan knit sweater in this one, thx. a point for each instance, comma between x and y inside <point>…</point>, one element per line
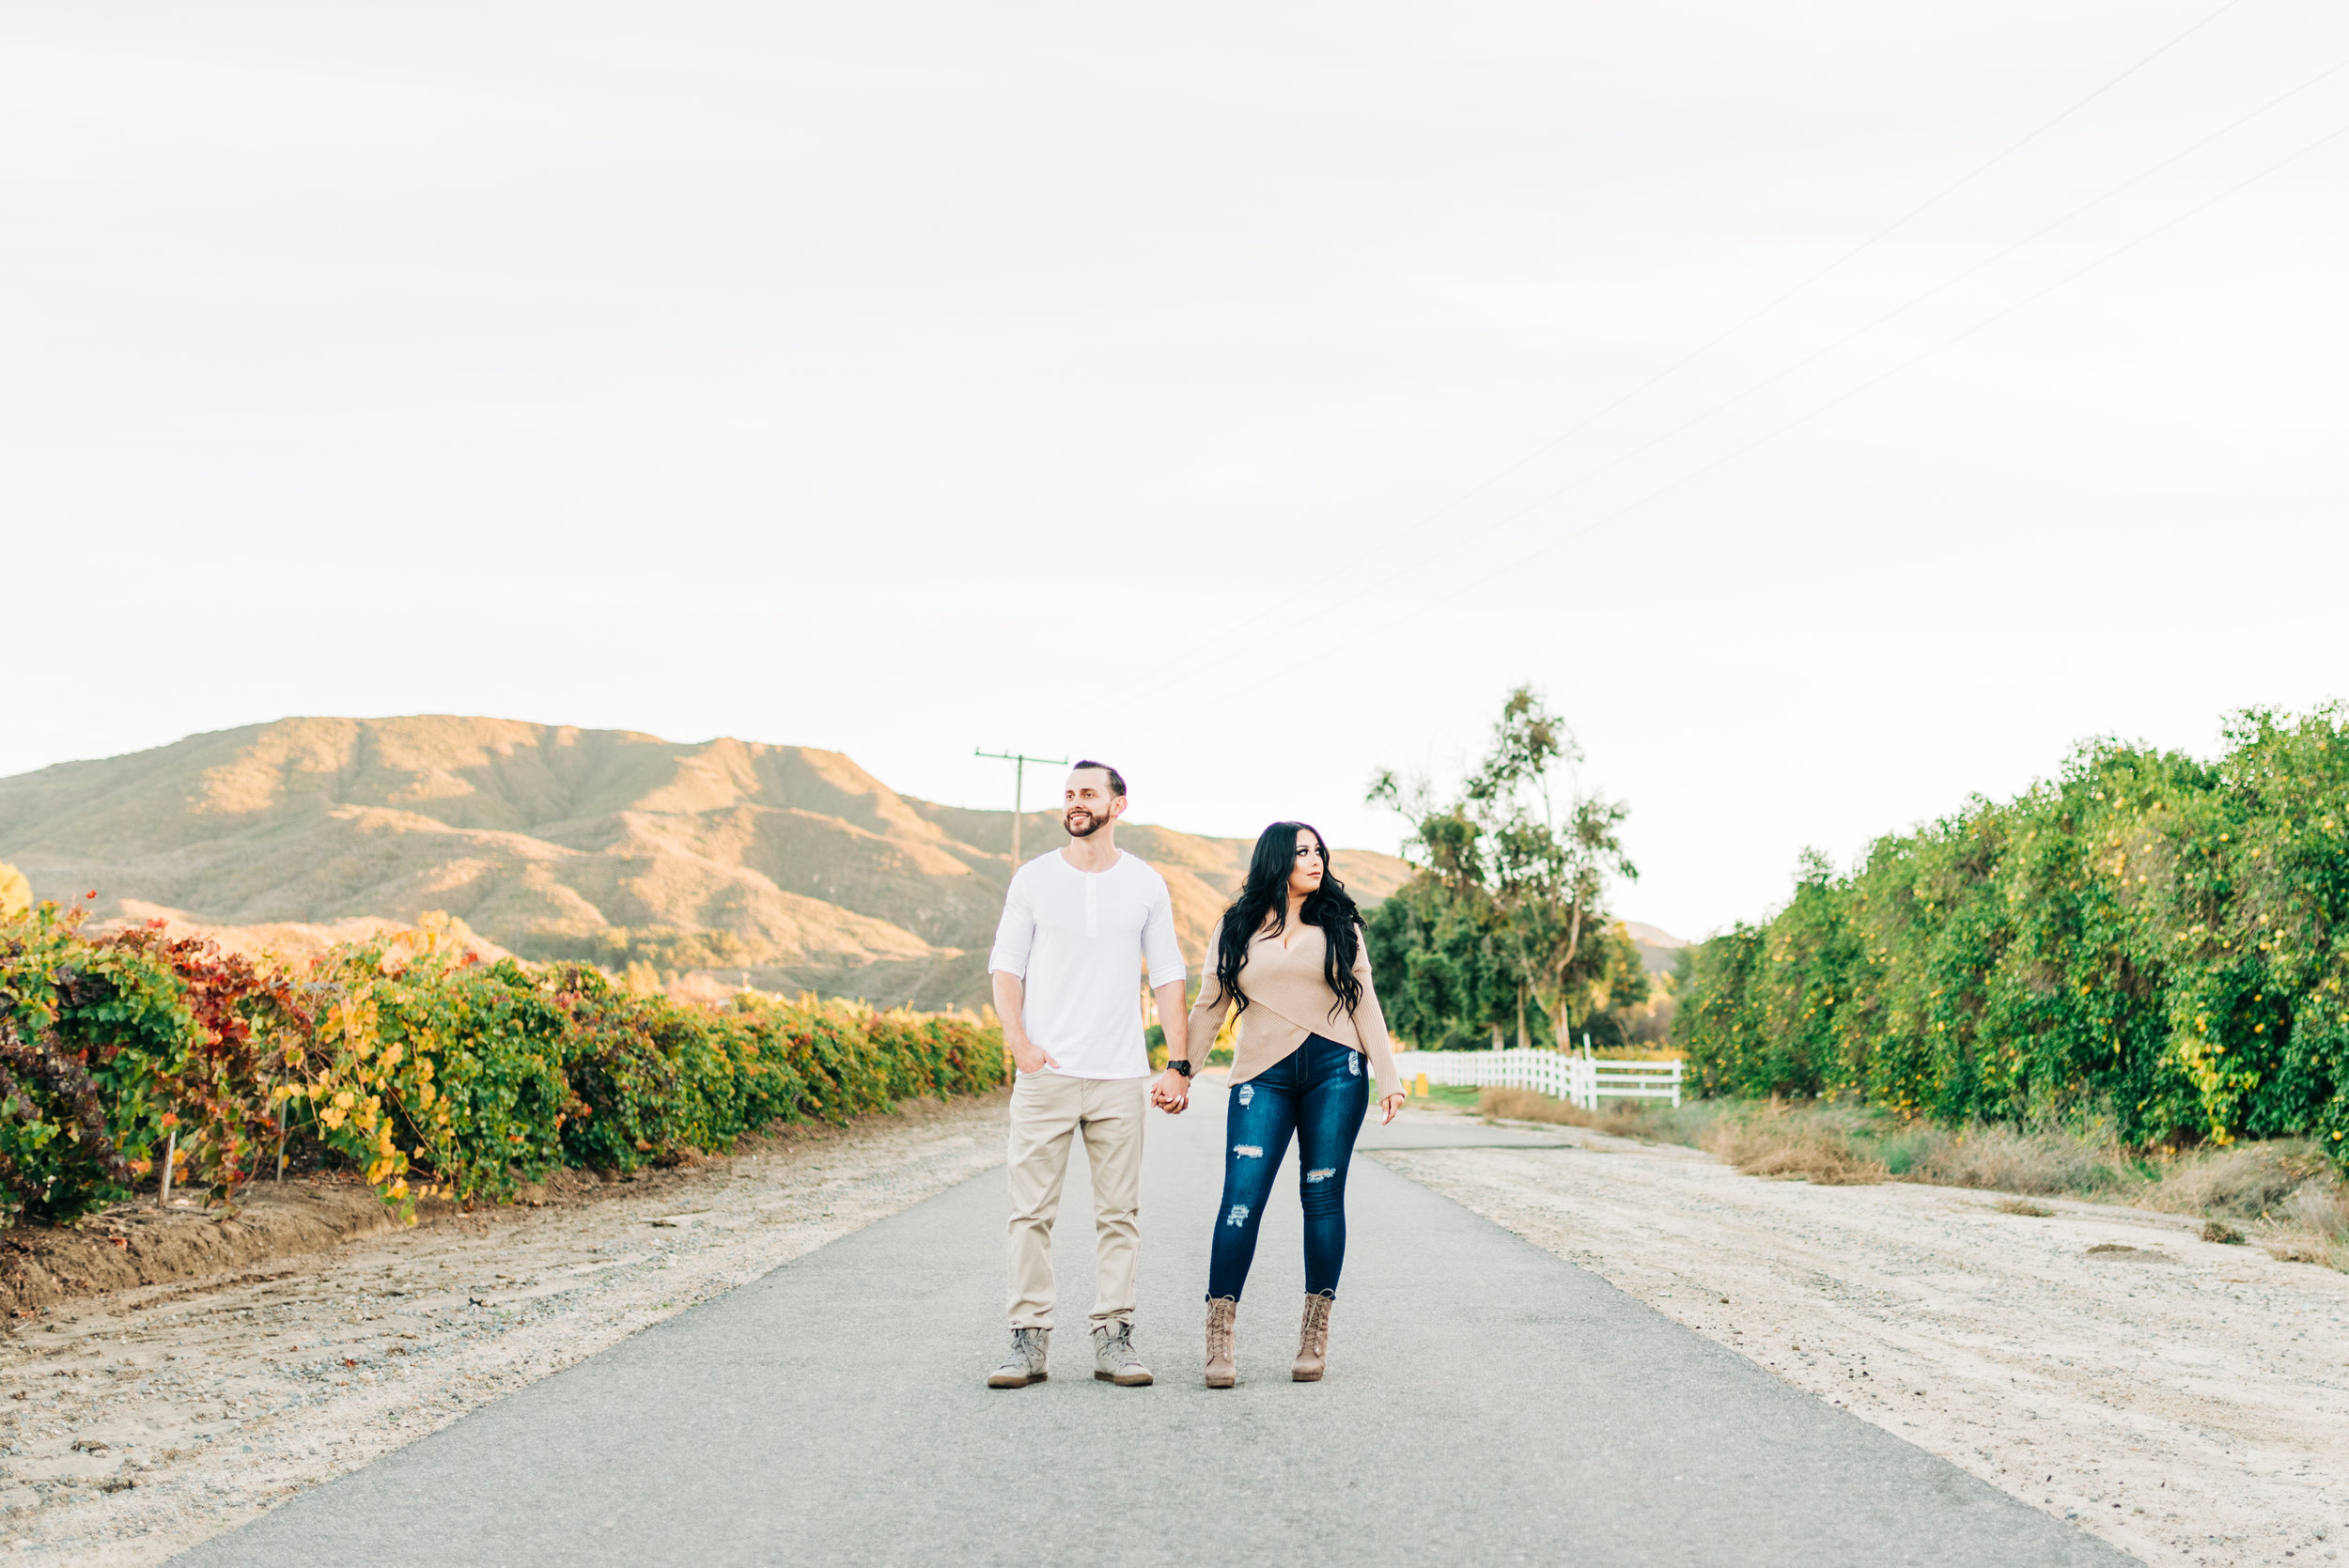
<point>1287,1000</point>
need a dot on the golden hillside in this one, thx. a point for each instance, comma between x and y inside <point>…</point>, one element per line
<point>790,867</point>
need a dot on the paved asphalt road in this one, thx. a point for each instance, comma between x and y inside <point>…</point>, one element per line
<point>1487,1403</point>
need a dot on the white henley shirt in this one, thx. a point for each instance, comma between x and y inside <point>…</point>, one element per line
<point>1077,939</point>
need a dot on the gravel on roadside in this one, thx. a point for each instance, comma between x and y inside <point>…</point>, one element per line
<point>2186,1401</point>
<point>134,1424</point>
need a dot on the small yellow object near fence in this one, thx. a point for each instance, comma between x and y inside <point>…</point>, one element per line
<point>1419,1086</point>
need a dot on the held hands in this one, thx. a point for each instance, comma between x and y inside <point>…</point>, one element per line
<point>1172,1093</point>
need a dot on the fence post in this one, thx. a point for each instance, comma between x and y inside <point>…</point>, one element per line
<point>171,1157</point>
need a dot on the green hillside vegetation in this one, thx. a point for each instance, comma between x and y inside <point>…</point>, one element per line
<point>2150,945</point>
<point>782,867</point>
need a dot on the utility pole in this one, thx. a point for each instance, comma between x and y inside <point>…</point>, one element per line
<point>1019,779</point>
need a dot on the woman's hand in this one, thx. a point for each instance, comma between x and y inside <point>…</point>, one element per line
<point>1172,1093</point>
<point>1392,1104</point>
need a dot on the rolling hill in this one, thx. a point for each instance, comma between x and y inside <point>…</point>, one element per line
<point>779,866</point>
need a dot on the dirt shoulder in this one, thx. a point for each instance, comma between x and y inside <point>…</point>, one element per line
<point>139,1244</point>
<point>2186,1401</point>
<point>137,1423</point>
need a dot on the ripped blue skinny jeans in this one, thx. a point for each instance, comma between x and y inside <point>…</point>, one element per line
<point>1320,1093</point>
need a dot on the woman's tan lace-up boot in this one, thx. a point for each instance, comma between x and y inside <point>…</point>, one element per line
<point>1222,1373</point>
<point>1312,1341</point>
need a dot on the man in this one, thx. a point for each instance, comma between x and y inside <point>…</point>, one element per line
<point>1078,925</point>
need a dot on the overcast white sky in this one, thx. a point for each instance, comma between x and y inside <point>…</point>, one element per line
<point>903,378</point>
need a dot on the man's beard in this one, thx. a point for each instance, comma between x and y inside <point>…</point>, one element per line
<point>1092,824</point>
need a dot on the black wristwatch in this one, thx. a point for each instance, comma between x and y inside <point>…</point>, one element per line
<point>1183,1066</point>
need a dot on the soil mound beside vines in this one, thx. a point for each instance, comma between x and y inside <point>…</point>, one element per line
<point>138,1244</point>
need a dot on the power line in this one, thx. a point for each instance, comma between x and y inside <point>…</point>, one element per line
<point>1128,684</point>
<point>1454,546</point>
<point>1849,337</point>
<point>1524,561</point>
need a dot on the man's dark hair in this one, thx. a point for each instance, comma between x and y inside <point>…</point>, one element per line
<point>1117,780</point>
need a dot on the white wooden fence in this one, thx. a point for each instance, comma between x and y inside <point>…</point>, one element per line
<point>1578,1080</point>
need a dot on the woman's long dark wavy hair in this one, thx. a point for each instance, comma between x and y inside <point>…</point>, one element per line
<point>1264,903</point>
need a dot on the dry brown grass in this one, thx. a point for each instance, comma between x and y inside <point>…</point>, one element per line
<point>1778,1140</point>
<point>2320,1209</point>
<point>1652,1119</point>
<point>2004,1161</point>
<point>2250,1181</point>
<point>1530,1104</point>
<point>2317,1216</point>
<point>2284,1194</point>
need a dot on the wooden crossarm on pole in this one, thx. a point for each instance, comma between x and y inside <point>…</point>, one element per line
<point>1019,761</point>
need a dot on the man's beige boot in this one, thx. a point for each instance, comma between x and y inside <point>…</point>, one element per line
<point>1113,1356</point>
<point>1222,1373</point>
<point>1025,1364</point>
<point>1312,1341</point>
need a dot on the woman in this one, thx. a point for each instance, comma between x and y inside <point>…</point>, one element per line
<point>1288,955</point>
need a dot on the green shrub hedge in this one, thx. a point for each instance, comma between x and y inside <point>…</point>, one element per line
<point>431,1071</point>
<point>2149,940</point>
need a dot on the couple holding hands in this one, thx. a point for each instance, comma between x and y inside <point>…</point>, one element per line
<point>1307,1040</point>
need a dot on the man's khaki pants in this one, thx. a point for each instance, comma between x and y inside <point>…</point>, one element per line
<point>1047,1111</point>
